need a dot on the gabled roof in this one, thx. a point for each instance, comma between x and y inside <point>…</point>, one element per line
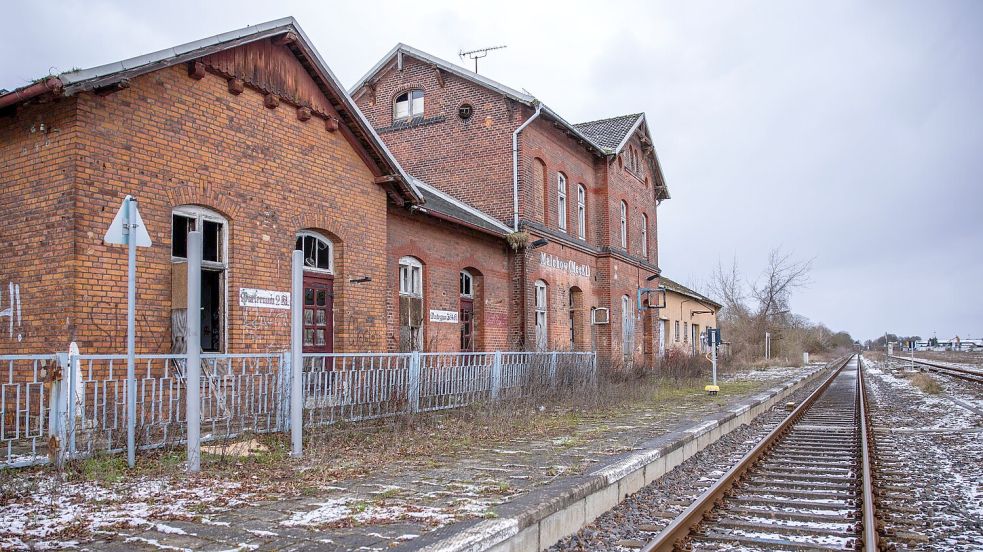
<point>672,285</point>
<point>605,137</point>
<point>395,56</point>
<point>611,133</point>
<point>445,206</point>
<point>104,75</point>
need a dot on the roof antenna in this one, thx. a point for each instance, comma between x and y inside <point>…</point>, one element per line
<point>478,54</point>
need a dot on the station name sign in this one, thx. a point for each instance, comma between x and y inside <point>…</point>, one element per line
<point>264,298</point>
<point>550,261</point>
<point>450,317</point>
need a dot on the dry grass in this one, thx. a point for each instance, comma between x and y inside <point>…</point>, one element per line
<point>926,383</point>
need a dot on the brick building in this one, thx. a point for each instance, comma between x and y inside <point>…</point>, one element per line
<point>579,200</point>
<point>248,137</point>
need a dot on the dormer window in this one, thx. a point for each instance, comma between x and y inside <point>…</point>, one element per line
<point>408,105</point>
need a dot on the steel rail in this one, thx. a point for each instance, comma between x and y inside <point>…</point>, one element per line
<point>679,528</point>
<point>870,536</point>
<point>954,371</point>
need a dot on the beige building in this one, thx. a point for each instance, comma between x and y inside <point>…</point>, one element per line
<point>684,319</point>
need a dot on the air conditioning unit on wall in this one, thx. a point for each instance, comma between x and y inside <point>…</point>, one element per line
<point>600,315</point>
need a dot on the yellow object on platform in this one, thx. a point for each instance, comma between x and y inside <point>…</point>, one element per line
<point>712,389</point>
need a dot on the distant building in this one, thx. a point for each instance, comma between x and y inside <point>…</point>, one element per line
<point>685,318</point>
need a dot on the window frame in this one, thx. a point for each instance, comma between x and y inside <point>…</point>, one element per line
<point>541,309</point>
<point>645,235</point>
<point>201,215</point>
<point>561,201</point>
<point>410,115</point>
<point>469,278</point>
<point>627,326</point>
<point>414,267</point>
<point>317,236</point>
<point>581,212</point>
<point>624,225</point>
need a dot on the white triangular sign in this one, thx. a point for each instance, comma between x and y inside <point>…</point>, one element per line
<point>116,233</point>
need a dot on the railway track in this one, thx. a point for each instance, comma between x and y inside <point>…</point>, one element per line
<point>945,369</point>
<point>806,486</point>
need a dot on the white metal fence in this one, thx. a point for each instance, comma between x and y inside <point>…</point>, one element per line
<point>63,406</point>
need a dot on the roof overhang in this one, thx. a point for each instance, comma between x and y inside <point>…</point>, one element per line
<point>354,121</point>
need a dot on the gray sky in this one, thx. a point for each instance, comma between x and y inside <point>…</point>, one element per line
<point>846,132</point>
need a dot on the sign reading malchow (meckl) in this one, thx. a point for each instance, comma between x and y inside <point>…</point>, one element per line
<point>549,261</point>
<point>443,316</point>
<point>264,298</point>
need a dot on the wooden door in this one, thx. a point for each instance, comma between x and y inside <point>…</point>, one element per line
<point>318,313</point>
<point>467,324</point>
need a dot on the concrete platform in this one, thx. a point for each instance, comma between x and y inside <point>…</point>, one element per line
<point>541,517</point>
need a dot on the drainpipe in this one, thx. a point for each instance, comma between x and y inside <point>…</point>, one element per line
<point>515,166</point>
<point>47,85</point>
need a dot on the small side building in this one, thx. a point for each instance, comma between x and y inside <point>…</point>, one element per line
<point>685,318</point>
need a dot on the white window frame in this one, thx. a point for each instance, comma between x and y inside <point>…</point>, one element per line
<point>410,277</point>
<point>581,212</point>
<point>624,225</point>
<point>467,291</point>
<point>321,238</point>
<point>200,215</point>
<point>675,336</point>
<point>561,201</point>
<point>645,236</point>
<point>411,104</point>
<point>540,303</point>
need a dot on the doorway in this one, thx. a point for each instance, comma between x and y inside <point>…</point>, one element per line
<point>318,313</point>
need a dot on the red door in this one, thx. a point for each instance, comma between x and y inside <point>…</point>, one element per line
<point>467,324</point>
<point>318,313</point>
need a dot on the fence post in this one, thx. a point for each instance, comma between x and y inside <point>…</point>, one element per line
<point>297,354</point>
<point>496,375</point>
<point>413,394</point>
<point>76,396</point>
<point>283,386</point>
<point>192,372</point>
<point>553,361</point>
<point>57,411</point>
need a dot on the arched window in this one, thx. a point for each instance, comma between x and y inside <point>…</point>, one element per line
<point>467,284</point>
<point>410,304</point>
<point>466,312</point>
<point>581,212</point>
<point>561,201</point>
<point>624,225</point>
<point>645,236</point>
<point>410,277</point>
<point>540,299</point>
<point>214,266</point>
<point>318,251</point>
<point>408,105</point>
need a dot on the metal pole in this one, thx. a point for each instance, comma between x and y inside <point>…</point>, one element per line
<point>131,293</point>
<point>193,352</point>
<point>713,352</point>
<point>297,354</point>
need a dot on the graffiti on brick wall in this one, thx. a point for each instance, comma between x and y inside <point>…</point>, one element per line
<point>260,325</point>
<point>13,312</point>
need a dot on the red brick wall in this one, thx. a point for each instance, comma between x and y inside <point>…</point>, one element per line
<point>171,140</point>
<point>445,249</point>
<point>36,220</point>
<point>471,160</point>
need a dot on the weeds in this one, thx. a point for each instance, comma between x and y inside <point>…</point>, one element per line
<point>926,383</point>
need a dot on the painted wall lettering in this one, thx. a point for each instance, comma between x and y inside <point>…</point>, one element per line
<point>549,261</point>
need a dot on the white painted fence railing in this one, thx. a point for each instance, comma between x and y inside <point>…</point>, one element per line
<point>61,406</point>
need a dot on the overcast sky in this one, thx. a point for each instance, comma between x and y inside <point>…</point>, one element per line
<point>850,133</point>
